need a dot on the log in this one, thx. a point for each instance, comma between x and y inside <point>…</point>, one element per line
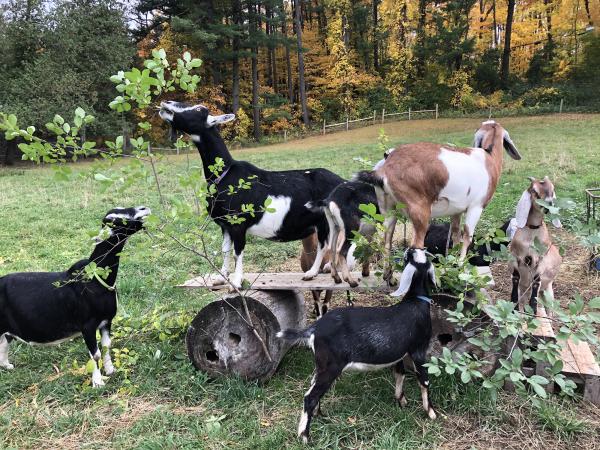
<point>220,342</point>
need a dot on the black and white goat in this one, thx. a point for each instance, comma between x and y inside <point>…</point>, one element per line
<point>344,217</point>
<point>372,338</point>
<point>289,191</point>
<point>51,307</point>
<point>438,239</point>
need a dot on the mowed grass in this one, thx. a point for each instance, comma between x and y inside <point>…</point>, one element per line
<point>157,400</point>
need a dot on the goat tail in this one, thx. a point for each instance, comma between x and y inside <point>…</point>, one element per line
<point>316,206</point>
<point>295,335</point>
<point>369,177</point>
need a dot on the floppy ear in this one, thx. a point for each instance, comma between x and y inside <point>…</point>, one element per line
<point>431,272</point>
<point>405,280</point>
<point>478,139</point>
<point>509,146</point>
<point>211,121</point>
<point>523,208</point>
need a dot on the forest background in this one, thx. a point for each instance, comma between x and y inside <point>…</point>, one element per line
<point>289,65</point>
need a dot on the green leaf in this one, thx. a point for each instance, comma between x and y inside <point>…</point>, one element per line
<point>594,303</point>
<point>90,366</point>
<point>79,112</point>
<point>465,377</point>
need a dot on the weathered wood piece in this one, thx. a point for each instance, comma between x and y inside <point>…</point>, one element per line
<point>580,365</point>
<point>220,341</point>
<point>293,280</point>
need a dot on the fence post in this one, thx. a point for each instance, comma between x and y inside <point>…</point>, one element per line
<point>436,111</point>
<point>409,113</point>
<point>323,126</point>
<point>347,123</point>
<point>284,135</point>
<point>490,113</point>
<point>561,105</point>
<point>382,116</point>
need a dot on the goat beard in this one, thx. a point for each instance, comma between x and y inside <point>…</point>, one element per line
<point>172,134</point>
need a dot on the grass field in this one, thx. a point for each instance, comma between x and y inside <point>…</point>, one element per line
<point>157,400</point>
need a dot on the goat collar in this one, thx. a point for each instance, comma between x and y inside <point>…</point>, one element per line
<point>220,177</point>
<point>104,283</point>
<point>425,299</point>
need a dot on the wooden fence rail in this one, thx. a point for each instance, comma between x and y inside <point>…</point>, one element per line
<point>373,118</point>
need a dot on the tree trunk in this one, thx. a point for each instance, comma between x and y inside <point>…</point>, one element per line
<point>495,25</point>
<point>252,13</point>
<point>235,69</point>
<point>268,32</point>
<point>587,11</point>
<point>505,65</point>
<point>288,61</point>
<point>550,40</point>
<point>302,87</point>
<point>375,35</point>
<point>420,62</point>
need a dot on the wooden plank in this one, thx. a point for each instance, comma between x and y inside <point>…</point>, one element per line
<point>290,280</point>
<point>293,280</point>
<point>578,359</point>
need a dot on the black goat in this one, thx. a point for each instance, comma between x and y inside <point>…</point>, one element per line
<point>288,191</point>
<point>438,234</point>
<point>372,338</point>
<point>51,307</point>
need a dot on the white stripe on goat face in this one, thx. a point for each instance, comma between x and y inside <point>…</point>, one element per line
<point>271,222</point>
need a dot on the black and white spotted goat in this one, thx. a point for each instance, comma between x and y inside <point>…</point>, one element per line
<point>372,338</point>
<point>52,307</point>
<point>289,191</point>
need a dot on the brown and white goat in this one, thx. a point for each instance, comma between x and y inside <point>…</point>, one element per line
<point>433,180</point>
<point>537,260</point>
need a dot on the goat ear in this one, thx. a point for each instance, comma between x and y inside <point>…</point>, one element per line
<point>509,146</point>
<point>211,121</point>
<point>405,280</point>
<point>523,208</point>
<point>431,272</point>
<point>478,139</point>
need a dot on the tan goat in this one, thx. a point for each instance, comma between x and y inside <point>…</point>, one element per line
<point>433,180</point>
<point>537,259</point>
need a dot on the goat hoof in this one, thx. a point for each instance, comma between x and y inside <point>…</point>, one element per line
<point>7,366</point>
<point>109,370</point>
<point>352,283</point>
<point>97,382</point>
<point>308,276</point>
<point>365,273</point>
<point>327,268</point>
<point>337,279</point>
<point>304,438</point>
<point>431,413</point>
<point>402,402</point>
<point>220,280</point>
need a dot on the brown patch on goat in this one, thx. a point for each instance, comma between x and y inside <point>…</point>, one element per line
<point>494,141</point>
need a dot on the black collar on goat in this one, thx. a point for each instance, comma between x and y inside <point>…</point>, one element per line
<point>289,191</point>
<point>372,338</point>
<point>50,307</point>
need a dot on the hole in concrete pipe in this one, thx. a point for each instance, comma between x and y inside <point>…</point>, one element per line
<point>444,338</point>
<point>212,355</point>
<point>235,338</point>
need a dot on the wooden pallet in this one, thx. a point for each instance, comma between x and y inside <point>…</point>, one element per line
<point>579,364</point>
<point>268,281</point>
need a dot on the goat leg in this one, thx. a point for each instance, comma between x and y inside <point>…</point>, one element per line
<point>399,373</point>
<point>514,295</point>
<point>418,358</point>
<point>312,398</point>
<point>534,293</point>
<point>4,364</point>
<point>89,336</point>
